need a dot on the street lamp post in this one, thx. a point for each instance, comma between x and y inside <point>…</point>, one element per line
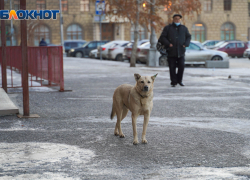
<point>153,56</point>
<point>61,23</point>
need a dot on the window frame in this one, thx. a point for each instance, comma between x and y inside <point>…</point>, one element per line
<point>227,5</point>
<point>72,33</point>
<point>208,3</point>
<point>228,31</point>
<point>64,5</point>
<point>197,30</point>
<point>84,6</point>
<point>39,5</point>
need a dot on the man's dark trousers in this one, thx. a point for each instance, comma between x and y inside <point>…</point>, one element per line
<point>174,62</point>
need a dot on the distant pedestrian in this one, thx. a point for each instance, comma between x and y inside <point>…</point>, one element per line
<point>176,38</point>
<point>42,42</point>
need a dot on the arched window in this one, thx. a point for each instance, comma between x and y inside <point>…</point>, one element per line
<point>74,31</point>
<point>41,31</point>
<point>142,33</point>
<point>198,32</point>
<point>227,31</point>
<point>10,34</point>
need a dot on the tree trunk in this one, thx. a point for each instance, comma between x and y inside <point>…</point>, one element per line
<point>136,32</point>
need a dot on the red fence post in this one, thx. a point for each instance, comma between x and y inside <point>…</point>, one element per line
<point>61,69</point>
<point>4,60</point>
<point>25,74</point>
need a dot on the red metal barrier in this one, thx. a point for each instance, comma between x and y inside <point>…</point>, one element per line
<point>45,65</point>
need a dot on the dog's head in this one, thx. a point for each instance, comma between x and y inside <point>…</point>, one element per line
<point>144,83</point>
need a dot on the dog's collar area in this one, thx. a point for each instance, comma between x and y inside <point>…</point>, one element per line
<point>140,94</point>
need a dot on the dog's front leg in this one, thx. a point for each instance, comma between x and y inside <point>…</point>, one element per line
<point>145,125</point>
<point>134,119</point>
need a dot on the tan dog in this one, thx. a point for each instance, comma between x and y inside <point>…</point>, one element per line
<point>138,99</point>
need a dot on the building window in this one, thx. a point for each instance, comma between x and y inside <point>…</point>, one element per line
<point>198,32</point>
<point>207,5</point>
<point>17,5</point>
<point>141,35</point>
<point>227,31</point>
<point>10,35</point>
<point>40,32</point>
<point>40,4</point>
<point>227,5</point>
<point>84,5</point>
<point>248,8</point>
<point>64,5</point>
<point>74,31</point>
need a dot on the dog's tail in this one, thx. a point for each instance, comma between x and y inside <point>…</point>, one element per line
<point>112,115</point>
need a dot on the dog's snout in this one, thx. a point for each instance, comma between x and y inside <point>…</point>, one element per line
<point>145,88</point>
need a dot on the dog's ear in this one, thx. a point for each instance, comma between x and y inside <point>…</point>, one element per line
<point>137,76</point>
<point>153,77</point>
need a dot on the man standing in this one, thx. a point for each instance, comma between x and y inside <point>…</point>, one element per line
<point>176,37</point>
<point>42,42</point>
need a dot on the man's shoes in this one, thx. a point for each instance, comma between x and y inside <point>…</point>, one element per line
<point>181,84</point>
<point>173,85</point>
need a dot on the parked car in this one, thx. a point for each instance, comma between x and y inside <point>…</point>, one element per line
<point>209,43</point>
<point>115,52</point>
<point>142,52</point>
<point>69,44</point>
<point>197,54</point>
<point>85,49</point>
<point>104,48</point>
<point>93,53</point>
<point>246,53</point>
<point>128,49</point>
<point>233,48</point>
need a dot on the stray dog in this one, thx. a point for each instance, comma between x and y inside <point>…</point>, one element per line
<point>138,99</point>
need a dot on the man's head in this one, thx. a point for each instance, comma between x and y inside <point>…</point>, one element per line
<point>177,18</point>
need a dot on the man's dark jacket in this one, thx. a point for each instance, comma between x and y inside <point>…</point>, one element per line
<point>42,43</point>
<point>177,36</point>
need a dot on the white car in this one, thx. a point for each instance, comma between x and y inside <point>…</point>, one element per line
<point>197,54</point>
<point>115,52</point>
<point>93,53</point>
<point>247,53</point>
<point>104,48</point>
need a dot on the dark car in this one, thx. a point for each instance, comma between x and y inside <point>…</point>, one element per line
<point>233,48</point>
<point>85,49</point>
<point>69,44</point>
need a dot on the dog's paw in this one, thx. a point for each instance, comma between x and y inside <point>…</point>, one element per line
<point>116,134</point>
<point>122,136</point>
<point>135,142</point>
<point>144,141</point>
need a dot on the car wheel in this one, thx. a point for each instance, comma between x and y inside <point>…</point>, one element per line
<point>79,54</point>
<point>163,61</point>
<point>217,58</point>
<point>119,57</point>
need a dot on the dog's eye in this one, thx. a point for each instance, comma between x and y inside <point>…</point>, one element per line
<point>148,81</point>
<point>142,81</point>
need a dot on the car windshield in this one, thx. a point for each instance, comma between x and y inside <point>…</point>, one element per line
<point>219,43</point>
<point>130,44</point>
<point>222,45</point>
<point>84,45</point>
<point>147,44</point>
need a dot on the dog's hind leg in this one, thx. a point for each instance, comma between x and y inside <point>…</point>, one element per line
<point>124,112</point>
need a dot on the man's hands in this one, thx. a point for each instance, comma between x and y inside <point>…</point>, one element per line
<point>171,45</point>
